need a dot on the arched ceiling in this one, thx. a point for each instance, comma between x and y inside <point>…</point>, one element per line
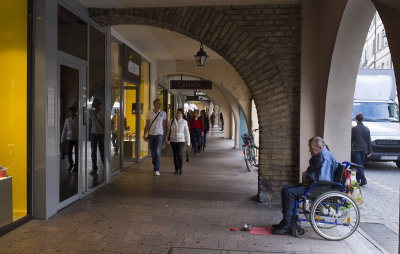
<point>172,3</point>
<point>161,44</point>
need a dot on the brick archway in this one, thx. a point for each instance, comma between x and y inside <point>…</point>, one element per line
<point>263,44</point>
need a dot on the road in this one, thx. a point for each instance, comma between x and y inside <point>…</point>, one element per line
<point>381,194</point>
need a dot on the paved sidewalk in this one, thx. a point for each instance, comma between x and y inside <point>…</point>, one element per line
<point>192,213</point>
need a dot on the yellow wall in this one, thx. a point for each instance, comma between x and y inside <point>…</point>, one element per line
<point>13,97</point>
<point>130,97</point>
<point>144,98</point>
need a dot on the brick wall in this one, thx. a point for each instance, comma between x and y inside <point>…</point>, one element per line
<point>263,44</point>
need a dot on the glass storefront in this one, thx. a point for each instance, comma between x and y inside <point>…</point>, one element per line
<point>129,134</point>
<point>14,111</point>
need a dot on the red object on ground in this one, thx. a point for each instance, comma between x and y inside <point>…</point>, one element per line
<point>233,229</point>
<point>261,231</point>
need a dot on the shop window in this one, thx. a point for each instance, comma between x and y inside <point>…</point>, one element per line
<point>14,126</point>
<point>72,34</point>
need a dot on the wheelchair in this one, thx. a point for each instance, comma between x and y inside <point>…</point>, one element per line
<point>331,212</point>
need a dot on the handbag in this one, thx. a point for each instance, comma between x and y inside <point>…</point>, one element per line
<point>170,129</point>
<point>352,188</point>
<point>152,123</point>
<point>187,155</point>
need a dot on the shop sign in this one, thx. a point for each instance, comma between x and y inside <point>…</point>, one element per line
<point>191,84</point>
<point>192,98</point>
<point>131,65</point>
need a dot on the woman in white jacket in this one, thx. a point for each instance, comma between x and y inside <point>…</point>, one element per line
<point>178,135</point>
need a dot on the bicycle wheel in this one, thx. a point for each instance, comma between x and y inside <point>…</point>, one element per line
<point>247,157</point>
<point>336,209</point>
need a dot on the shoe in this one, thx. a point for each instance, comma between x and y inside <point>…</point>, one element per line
<point>282,230</point>
<point>93,172</point>
<point>362,184</point>
<point>176,172</point>
<point>180,171</point>
<point>280,224</point>
<point>157,173</point>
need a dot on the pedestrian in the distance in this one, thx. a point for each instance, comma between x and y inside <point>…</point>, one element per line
<point>156,126</point>
<point>96,127</point>
<point>221,120</point>
<point>212,119</point>
<point>360,147</point>
<point>178,135</point>
<point>196,128</point>
<point>206,123</point>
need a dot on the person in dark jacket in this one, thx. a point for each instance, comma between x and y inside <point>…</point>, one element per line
<point>196,128</point>
<point>206,123</point>
<point>221,121</point>
<point>360,147</point>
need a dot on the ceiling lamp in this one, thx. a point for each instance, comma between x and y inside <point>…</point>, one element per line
<point>201,56</point>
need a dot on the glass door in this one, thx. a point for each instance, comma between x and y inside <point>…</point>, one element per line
<point>130,122</point>
<point>72,133</point>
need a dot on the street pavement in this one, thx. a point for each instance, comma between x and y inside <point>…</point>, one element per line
<point>138,213</point>
<point>381,194</point>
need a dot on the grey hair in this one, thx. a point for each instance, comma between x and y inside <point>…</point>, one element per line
<point>318,142</point>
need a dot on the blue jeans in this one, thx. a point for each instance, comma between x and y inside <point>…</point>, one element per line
<point>196,139</point>
<point>155,143</point>
<point>358,157</point>
<point>289,196</point>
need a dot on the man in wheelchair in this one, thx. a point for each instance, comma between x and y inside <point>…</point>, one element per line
<point>322,166</point>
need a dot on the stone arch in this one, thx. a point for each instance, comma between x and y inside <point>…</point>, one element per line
<point>345,61</point>
<point>266,56</point>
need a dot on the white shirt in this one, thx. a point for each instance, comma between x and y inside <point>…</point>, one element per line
<point>97,128</point>
<point>179,131</point>
<point>71,129</point>
<point>157,126</point>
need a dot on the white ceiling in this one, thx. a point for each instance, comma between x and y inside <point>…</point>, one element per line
<point>161,44</point>
<point>170,3</point>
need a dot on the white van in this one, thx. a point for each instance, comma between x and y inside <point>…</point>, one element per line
<point>376,98</point>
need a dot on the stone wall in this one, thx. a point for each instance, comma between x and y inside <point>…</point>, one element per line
<point>262,43</point>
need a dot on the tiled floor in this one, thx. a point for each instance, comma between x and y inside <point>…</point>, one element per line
<point>192,213</point>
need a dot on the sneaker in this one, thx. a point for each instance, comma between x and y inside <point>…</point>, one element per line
<point>157,173</point>
<point>280,224</point>
<point>282,230</point>
<point>362,184</point>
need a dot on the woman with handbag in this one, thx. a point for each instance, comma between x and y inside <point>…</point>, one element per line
<point>178,135</point>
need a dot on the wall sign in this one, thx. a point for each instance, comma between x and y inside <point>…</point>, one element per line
<point>191,84</point>
<point>131,65</point>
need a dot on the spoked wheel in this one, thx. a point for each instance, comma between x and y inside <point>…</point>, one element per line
<point>251,158</point>
<point>334,216</point>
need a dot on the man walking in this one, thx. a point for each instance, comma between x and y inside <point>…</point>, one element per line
<point>360,147</point>
<point>156,126</point>
<point>96,126</point>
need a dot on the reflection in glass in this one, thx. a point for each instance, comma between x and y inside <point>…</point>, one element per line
<point>130,108</point>
<point>95,151</point>
<point>69,123</point>
<point>116,106</point>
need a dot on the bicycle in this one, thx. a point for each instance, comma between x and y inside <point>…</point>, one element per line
<point>250,151</point>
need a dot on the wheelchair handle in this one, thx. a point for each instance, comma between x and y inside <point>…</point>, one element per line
<point>348,164</point>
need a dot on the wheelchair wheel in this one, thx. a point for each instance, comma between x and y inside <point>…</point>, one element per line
<point>334,216</point>
<point>299,231</point>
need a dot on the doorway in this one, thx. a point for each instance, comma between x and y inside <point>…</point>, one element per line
<point>131,111</point>
<point>79,118</point>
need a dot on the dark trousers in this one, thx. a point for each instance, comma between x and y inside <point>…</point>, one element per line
<point>96,140</point>
<point>155,143</point>
<point>73,144</point>
<point>196,140</point>
<point>358,157</point>
<point>204,140</point>
<point>177,148</point>
<point>289,196</point>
